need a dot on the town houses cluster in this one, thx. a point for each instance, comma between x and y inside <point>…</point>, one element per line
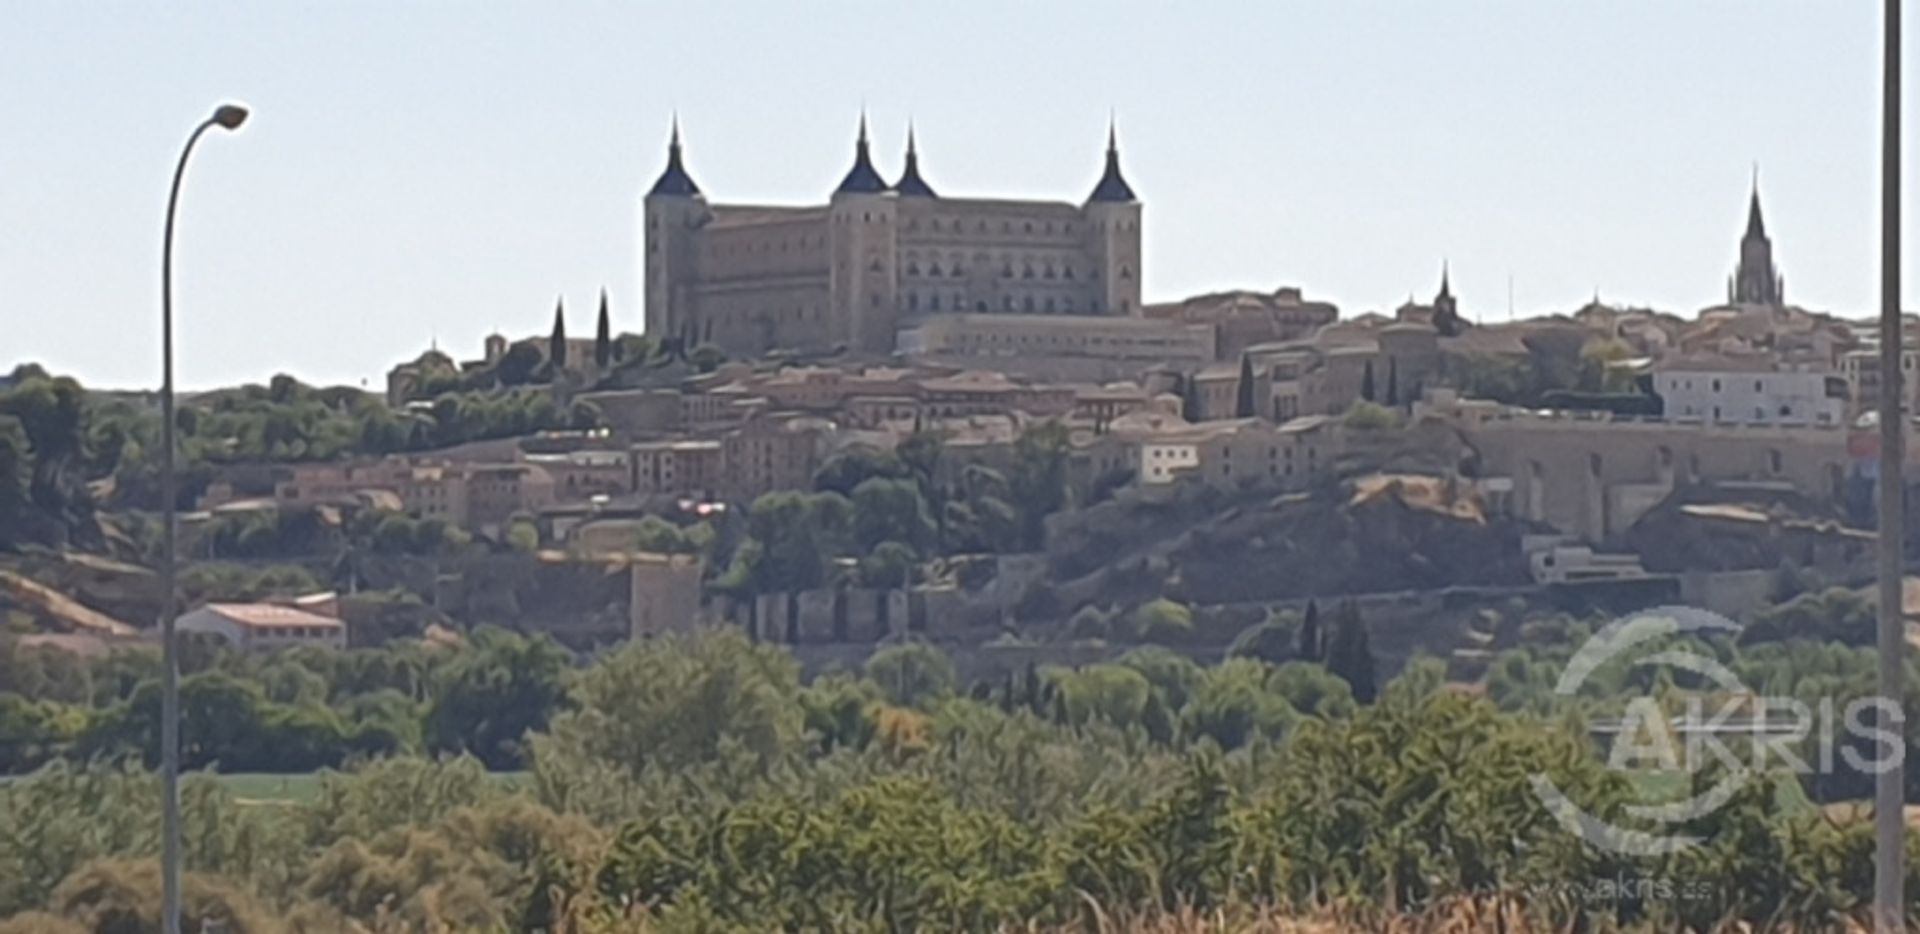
<point>777,338</point>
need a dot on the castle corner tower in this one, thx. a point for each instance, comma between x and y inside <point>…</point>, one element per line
<point>1114,214</point>
<point>674,212</point>
<point>864,249</point>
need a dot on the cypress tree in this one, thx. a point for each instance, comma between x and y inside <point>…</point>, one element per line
<point>603,339</point>
<point>557,344</point>
<point>1311,644</point>
<point>1350,654</point>
<point>1243,406</point>
<point>1366,382</point>
<point>1393,381</point>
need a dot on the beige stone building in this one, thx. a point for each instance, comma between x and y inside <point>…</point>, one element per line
<point>665,595</point>
<point>759,456</point>
<point>1059,346</point>
<point>1241,319</point>
<point>751,278</point>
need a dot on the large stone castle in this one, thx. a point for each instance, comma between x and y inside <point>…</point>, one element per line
<point>878,257</point>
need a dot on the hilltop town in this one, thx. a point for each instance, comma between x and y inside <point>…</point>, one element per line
<point>902,412</point>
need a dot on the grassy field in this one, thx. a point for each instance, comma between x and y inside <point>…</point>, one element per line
<point>259,788</point>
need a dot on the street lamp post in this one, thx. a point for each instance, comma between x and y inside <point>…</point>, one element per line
<point>227,117</point>
<point>1889,908</point>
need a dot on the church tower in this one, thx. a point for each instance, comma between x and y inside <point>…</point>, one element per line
<point>1446,309</point>
<point>861,282</point>
<point>675,210</point>
<point>1756,281</point>
<point>1113,214</point>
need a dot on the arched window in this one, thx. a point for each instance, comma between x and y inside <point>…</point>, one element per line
<point>1027,303</point>
<point>980,305</point>
<point>1050,311</point>
<point>1029,227</point>
<point>913,268</point>
<point>1066,272</point>
<point>934,268</point>
<point>913,301</point>
<point>1048,273</point>
<point>935,302</point>
<point>1126,273</point>
<point>1026,271</point>
<point>1006,270</point>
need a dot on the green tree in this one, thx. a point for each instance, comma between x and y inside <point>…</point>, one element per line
<point>1104,693</point>
<point>1038,482</point>
<point>16,471</point>
<point>912,674</point>
<point>603,337</point>
<point>1367,416</point>
<point>706,358</point>
<point>674,702</point>
<point>1312,644</point>
<point>891,510</point>
<point>1162,621</point>
<point>502,687</point>
<point>1350,654</point>
<point>1243,402</point>
<point>890,566</point>
<point>557,342</point>
<point>523,536</point>
<point>1232,705</point>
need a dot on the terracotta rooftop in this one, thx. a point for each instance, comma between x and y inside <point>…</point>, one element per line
<point>270,616</point>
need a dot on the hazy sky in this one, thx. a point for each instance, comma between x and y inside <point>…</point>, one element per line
<point>417,171</point>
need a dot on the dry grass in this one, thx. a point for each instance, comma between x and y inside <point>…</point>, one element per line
<point>1460,916</point>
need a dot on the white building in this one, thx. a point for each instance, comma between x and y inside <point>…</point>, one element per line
<point>1749,391</point>
<point>264,627</point>
<point>1163,461</point>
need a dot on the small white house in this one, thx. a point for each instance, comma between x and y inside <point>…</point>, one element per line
<point>1162,461</point>
<point>264,627</point>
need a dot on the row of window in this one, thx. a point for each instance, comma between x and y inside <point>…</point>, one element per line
<point>1050,304</point>
<point>980,225</point>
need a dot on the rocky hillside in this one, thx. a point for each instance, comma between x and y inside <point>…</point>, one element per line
<point>1373,534</point>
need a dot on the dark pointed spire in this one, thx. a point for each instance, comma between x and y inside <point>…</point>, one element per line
<point>557,342</point>
<point>910,183</point>
<point>674,181</point>
<point>603,334</point>
<point>1446,286</point>
<point>1756,225</point>
<point>1112,185</point>
<point>862,178</point>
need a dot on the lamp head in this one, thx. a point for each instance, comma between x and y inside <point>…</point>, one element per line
<point>230,116</point>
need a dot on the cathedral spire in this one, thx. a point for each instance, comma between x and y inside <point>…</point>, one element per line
<point>1112,185</point>
<point>862,178</point>
<point>1756,281</point>
<point>910,183</point>
<point>1756,226</point>
<point>675,180</point>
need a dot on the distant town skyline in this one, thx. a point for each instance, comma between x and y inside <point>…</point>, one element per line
<point>414,176</point>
